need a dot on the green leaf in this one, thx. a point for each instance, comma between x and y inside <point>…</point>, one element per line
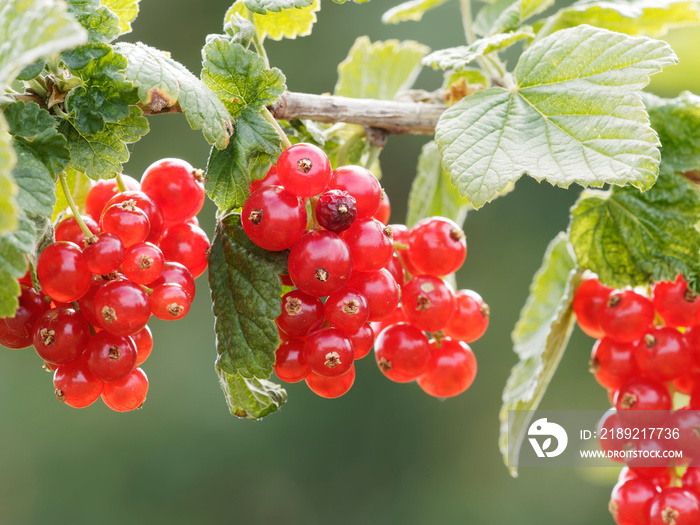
<point>14,248</point>
<point>250,398</point>
<point>634,17</point>
<point>32,29</point>
<point>632,238</point>
<point>458,57</point>
<point>539,338</point>
<point>379,70</point>
<point>32,71</point>
<point>506,15</point>
<point>100,156</point>
<point>79,185</point>
<point>411,10</point>
<point>37,191</point>
<point>102,24</point>
<point>247,158</point>
<point>240,29</point>
<point>162,83</point>
<point>8,188</point>
<point>126,10</point>
<point>677,121</point>
<point>575,115</point>
<point>239,77</point>
<point>245,291</point>
<point>471,75</point>
<point>288,23</point>
<point>431,191</point>
<point>275,6</point>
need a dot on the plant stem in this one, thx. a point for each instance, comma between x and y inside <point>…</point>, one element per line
<point>256,38</point>
<point>120,183</point>
<point>466,8</point>
<point>73,207</point>
<point>283,136</point>
<point>373,155</point>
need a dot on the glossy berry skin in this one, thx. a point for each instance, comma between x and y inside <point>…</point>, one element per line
<point>613,363</point>
<point>400,233</point>
<point>320,263</point>
<point>68,230</point>
<point>329,352</point>
<point>384,212</point>
<point>451,370</point>
<point>437,246</point>
<point>691,479</point>
<point>127,221</point>
<point>397,316</point>
<point>371,244</point>
<point>111,357</point>
<point>626,315</point>
<point>663,355</point>
<point>641,394</point>
<point>331,387</point>
<point>87,301</point>
<point>271,179</point>
<point>471,317</point>
<point>105,255</point>
<point>60,335</point>
<point>176,187</point>
<point>362,341</point>
<point>62,272</point>
<point>687,422</point>
<point>17,332</point>
<point>290,365</point>
<point>362,185</point>
<point>175,273</point>
<point>675,506</point>
<point>169,302</point>
<point>692,342</point>
<point>303,169</point>
<point>148,206</point>
<point>336,210</point>
<point>395,268</point>
<point>188,245</point>
<point>122,307</point>
<point>402,352</point>
<point>127,394</point>
<point>589,298</point>
<point>75,385</point>
<point>301,313</point>
<point>428,302</point>
<point>630,501</point>
<point>273,218</point>
<point>346,310</point>
<point>676,304</point>
<point>143,263</point>
<point>143,340</point>
<point>380,290</point>
<point>104,190</point>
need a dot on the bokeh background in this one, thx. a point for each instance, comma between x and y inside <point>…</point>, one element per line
<point>384,453</point>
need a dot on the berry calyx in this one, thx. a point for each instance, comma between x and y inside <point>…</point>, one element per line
<point>336,210</point>
<point>301,313</point>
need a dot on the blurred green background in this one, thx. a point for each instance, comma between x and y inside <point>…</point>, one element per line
<point>384,453</point>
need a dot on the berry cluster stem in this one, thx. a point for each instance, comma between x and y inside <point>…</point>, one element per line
<point>73,207</point>
<point>283,136</point>
<point>121,186</point>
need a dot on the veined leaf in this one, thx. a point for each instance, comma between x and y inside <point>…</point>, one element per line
<point>8,188</point>
<point>126,10</point>
<point>14,247</point>
<point>162,83</point>
<point>458,57</point>
<point>102,24</point>
<point>411,10</point>
<point>37,191</point>
<point>379,70</point>
<point>502,16</point>
<point>239,29</point>
<point>575,115</point>
<point>288,23</point>
<point>79,185</point>
<point>250,398</point>
<point>540,338</point>
<point>275,6</point>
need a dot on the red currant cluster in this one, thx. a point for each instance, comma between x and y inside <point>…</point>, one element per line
<point>647,349</point>
<point>355,277</point>
<point>134,254</point>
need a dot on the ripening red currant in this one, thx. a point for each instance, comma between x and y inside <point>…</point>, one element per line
<point>402,352</point>
<point>127,221</point>
<point>17,331</point>
<point>104,190</point>
<point>437,246</point>
<point>60,335</point>
<point>104,255</point>
<point>68,230</point>
<point>331,387</point>
<point>428,302</point>
<point>329,352</point>
<point>188,245</point>
<point>336,210</point>
<point>675,506</point>
<point>143,339</point>
<point>641,394</point>
<point>319,263</point>
<point>301,313</point>
<point>143,263</point>
<point>127,394</point>
<point>290,365</point>
<point>630,502</point>
<point>303,169</point>
<point>676,303</point>
<point>62,272</point>
<point>273,218</point>
<point>589,298</point>
<point>362,185</point>
<point>371,244</point>
<point>380,290</point>
<point>176,273</point>
<point>176,187</point>
<point>122,307</point>
<point>75,385</point>
<point>471,317</point>
<point>169,302</point>
<point>384,211</point>
<point>270,179</point>
<point>626,315</point>
<point>346,310</point>
<point>148,206</point>
<point>612,362</point>
<point>362,341</point>
<point>111,357</point>
<point>451,370</point>
<point>662,354</point>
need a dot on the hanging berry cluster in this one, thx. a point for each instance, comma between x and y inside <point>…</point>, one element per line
<point>355,277</point>
<point>135,253</point>
<point>647,349</point>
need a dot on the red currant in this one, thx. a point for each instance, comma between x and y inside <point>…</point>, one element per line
<point>675,506</point>
<point>384,211</point>
<point>589,298</point>
<point>122,307</point>
<point>346,310</point>
<point>176,273</point>
<point>61,335</point>
<point>301,313</point>
<point>319,263</point>
<point>471,317</point>
<point>17,331</point>
<point>304,170</point>
<point>329,352</point>
<point>676,303</point>
<point>331,387</point>
<point>104,255</point>
<point>68,230</point>
<point>127,394</point>
<point>371,245</point>
<point>437,246</point>
<point>451,370</point>
<point>104,190</point>
<point>148,206</point>
<point>143,263</point>
<point>62,272</point>
<point>663,355</point>
<point>143,339</point>
<point>271,179</point>
<point>336,210</point>
<point>691,479</point>
<point>176,187</point>
<point>170,302</point>
<point>290,365</point>
<point>395,268</point>
<point>402,352</point>
<point>188,245</point>
<point>362,341</point>
<point>612,362</point>
<point>640,394</point>
<point>428,302</point>
<point>111,357</point>
<point>273,218</point>
<point>626,315</point>
<point>380,290</point>
<point>630,502</point>
<point>362,185</point>
<point>127,221</point>
<point>75,385</point>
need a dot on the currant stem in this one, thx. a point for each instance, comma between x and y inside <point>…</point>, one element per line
<point>256,38</point>
<point>466,9</point>
<point>373,156</point>
<point>120,183</point>
<point>283,136</point>
<point>73,207</point>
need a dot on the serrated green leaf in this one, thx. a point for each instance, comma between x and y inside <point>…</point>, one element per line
<point>431,192</point>
<point>102,24</point>
<point>289,23</point>
<point>162,83</point>
<point>275,6</point>
<point>411,10</point>
<point>575,115</point>
<point>79,185</point>
<point>250,398</point>
<point>239,29</point>
<point>126,10</point>
<point>247,158</point>
<point>8,188</point>
<point>379,70</point>
<point>14,248</point>
<point>32,29</point>
<point>245,291</point>
<point>632,238</point>
<point>677,121</point>
<point>458,57</point>
<point>539,339</point>
<point>32,71</point>
<point>37,191</point>
<point>100,156</point>
<point>502,16</point>
<point>239,77</point>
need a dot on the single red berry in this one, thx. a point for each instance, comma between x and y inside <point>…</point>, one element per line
<point>676,303</point>
<point>104,190</point>
<point>686,425</point>
<point>87,301</point>
<point>319,263</point>
<point>471,317</point>
<point>662,354</point>
<point>329,352</point>
<point>176,187</point>
<point>127,221</point>
<point>362,185</point>
<point>346,310</point>
<point>397,316</point>
<point>104,255</point>
<point>626,315</point>
<point>402,352</point>
<point>290,365</point>
<point>380,290</point>
<point>630,502</point>
<point>428,302</point>
<point>437,246</point>
<point>62,272</point>
<point>127,394</point>
<point>75,385</point>
<point>111,357</point>
<point>395,268</point>
<point>400,234</point>
<point>451,370</point>
<point>303,169</point>
<point>273,218</point>
<point>143,263</point>
<point>336,210</point>
<point>61,335</point>
<point>612,362</point>
<point>589,298</point>
<point>675,506</point>
<point>362,341</point>
<point>301,313</point>
<point>143,339</point>
<point>691,479</point>
<point>17,331</point>
<point>122,307</point>
<point>68,230</point>
<point>371,245</point>
<point>642,395</point>
<point>188,245</point>
<point>271,179</point>
<point>148,206</point>
<point>176,273</point>
<point>331,387</point>
<point>170,302</point>
<point>384,211</point>
<point>685,383</point>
